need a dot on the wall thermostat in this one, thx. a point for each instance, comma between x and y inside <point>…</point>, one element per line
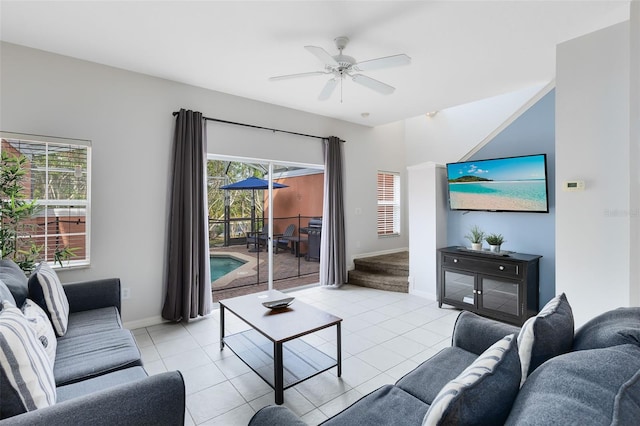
<point>573,185</point>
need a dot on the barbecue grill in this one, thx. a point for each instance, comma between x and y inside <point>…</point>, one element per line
<point>313,230</point>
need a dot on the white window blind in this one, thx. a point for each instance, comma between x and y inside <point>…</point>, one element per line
<point>388,203</point>
<point>58,180</point>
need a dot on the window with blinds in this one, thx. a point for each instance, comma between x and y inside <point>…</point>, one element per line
<point>57,179</point>
<point>388,203</point>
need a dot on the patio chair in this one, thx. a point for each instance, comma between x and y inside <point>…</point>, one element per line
<point>282,241</point>
<point>258,238</point>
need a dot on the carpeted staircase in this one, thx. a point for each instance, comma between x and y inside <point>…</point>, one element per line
<point>385,272</point>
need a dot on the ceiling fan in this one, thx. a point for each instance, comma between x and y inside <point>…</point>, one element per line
<point>341,66</point>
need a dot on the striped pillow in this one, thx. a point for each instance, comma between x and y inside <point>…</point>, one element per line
<point>27,373</point>
<point>40,324</point>
<point>484,391</point>
<point>55,299</point>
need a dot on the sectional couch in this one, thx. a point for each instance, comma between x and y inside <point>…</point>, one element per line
<point>82,366</point>
<point>495,373</point>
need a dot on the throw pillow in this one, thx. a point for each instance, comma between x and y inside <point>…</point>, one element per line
<point>41,325</point>
<point>15,279</point>
<point>5,293</point>
<point>483,392</point>
<point>548,334</point>
<point>616,327</point>
<point>47,287</point>
<point>26,371</point>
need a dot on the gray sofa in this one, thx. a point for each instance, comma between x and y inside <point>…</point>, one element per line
<point>590,378</point>
<point>98,371</point>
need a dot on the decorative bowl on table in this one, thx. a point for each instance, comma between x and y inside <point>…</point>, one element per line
<point>278,304</point>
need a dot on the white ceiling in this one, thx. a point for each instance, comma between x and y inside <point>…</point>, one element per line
<point>461,51</point>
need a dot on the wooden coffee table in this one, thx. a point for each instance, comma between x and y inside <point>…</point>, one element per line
<point>272,347</point>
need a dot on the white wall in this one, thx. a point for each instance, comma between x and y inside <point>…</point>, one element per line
<point>593,227</point>
<point>634,138</point>
<point>428,223</point>
<point>454,132</point>
<point>127,116</point>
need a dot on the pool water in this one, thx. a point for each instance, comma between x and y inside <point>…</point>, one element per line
<point>222,265</point>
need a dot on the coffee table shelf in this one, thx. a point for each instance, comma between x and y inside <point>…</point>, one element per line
<point>301,361</point>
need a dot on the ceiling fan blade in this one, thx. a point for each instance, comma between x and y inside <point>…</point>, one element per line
<point>373,84</point>
<point>328,89</point>
<point>323,55</point>
<point>386,62</point>
<point>302,74</point>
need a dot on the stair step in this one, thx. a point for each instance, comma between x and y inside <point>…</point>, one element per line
<point>379,281</point>
<point>390,264</point>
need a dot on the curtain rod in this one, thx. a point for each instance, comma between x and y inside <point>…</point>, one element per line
<point>257,127</point>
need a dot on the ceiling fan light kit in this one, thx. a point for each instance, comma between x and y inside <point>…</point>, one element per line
<point>341,66</point>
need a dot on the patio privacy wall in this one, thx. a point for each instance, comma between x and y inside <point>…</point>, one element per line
<point>302,197</point>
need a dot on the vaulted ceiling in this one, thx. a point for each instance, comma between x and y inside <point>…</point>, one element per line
<point>461,51</point>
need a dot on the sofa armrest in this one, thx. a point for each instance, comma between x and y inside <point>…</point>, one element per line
<point>275,415</point>
<point>475,334</point>
<point>154,400</point>
<point>95,294</point>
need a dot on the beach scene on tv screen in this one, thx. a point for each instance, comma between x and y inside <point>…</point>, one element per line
<point>515,184</point>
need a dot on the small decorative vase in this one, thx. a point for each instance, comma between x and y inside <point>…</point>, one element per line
<point>476,246</point>
<point>494,248</point>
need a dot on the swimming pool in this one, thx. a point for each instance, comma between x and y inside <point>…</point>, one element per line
<point>222,265</point>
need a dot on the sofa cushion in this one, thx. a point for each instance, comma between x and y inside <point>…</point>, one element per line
<point>46,288</point>
<point>548,334</point>
<point>26,379</point>
<point>92,355</point>
<point>475,333</point>
<point>5,294</point>
<point>15,280</point>
<point>483,392</point>
<point>41,326</point>
<point>381,405</point>
<point>617,327</point>
<point>425,381</point>
<point>95,384</point>
<point>597,386</point>
<point>93,321</point>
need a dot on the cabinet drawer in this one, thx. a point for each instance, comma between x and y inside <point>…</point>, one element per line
<point>495,267</point>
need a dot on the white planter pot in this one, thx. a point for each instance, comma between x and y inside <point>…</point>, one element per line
<point>494,248</point>
<point>476,246</point>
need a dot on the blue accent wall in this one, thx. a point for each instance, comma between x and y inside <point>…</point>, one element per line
<point>533,233</point>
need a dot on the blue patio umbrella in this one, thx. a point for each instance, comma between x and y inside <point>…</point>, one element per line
<point>252,183</point>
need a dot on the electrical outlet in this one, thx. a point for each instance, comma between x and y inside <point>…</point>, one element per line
<point>126,293</point>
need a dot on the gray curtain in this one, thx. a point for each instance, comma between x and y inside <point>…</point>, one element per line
<point>333,264</point>
<point>188,276</point>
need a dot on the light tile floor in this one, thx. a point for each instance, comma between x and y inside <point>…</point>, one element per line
<point>384,336</point>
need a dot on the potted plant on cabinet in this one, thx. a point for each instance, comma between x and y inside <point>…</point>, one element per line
<point>475,235</point>
<point>494,241</point>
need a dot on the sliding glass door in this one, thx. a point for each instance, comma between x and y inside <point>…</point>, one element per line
<point>260,214</point>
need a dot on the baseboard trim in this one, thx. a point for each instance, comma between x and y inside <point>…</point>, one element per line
<point>424,294</point>
<point>145,322</point>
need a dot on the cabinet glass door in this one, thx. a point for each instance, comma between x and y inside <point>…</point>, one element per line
<point>499,295</point>
<point>458,287</point>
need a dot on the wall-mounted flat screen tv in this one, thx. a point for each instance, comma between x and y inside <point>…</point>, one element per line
<point>513,184</point>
